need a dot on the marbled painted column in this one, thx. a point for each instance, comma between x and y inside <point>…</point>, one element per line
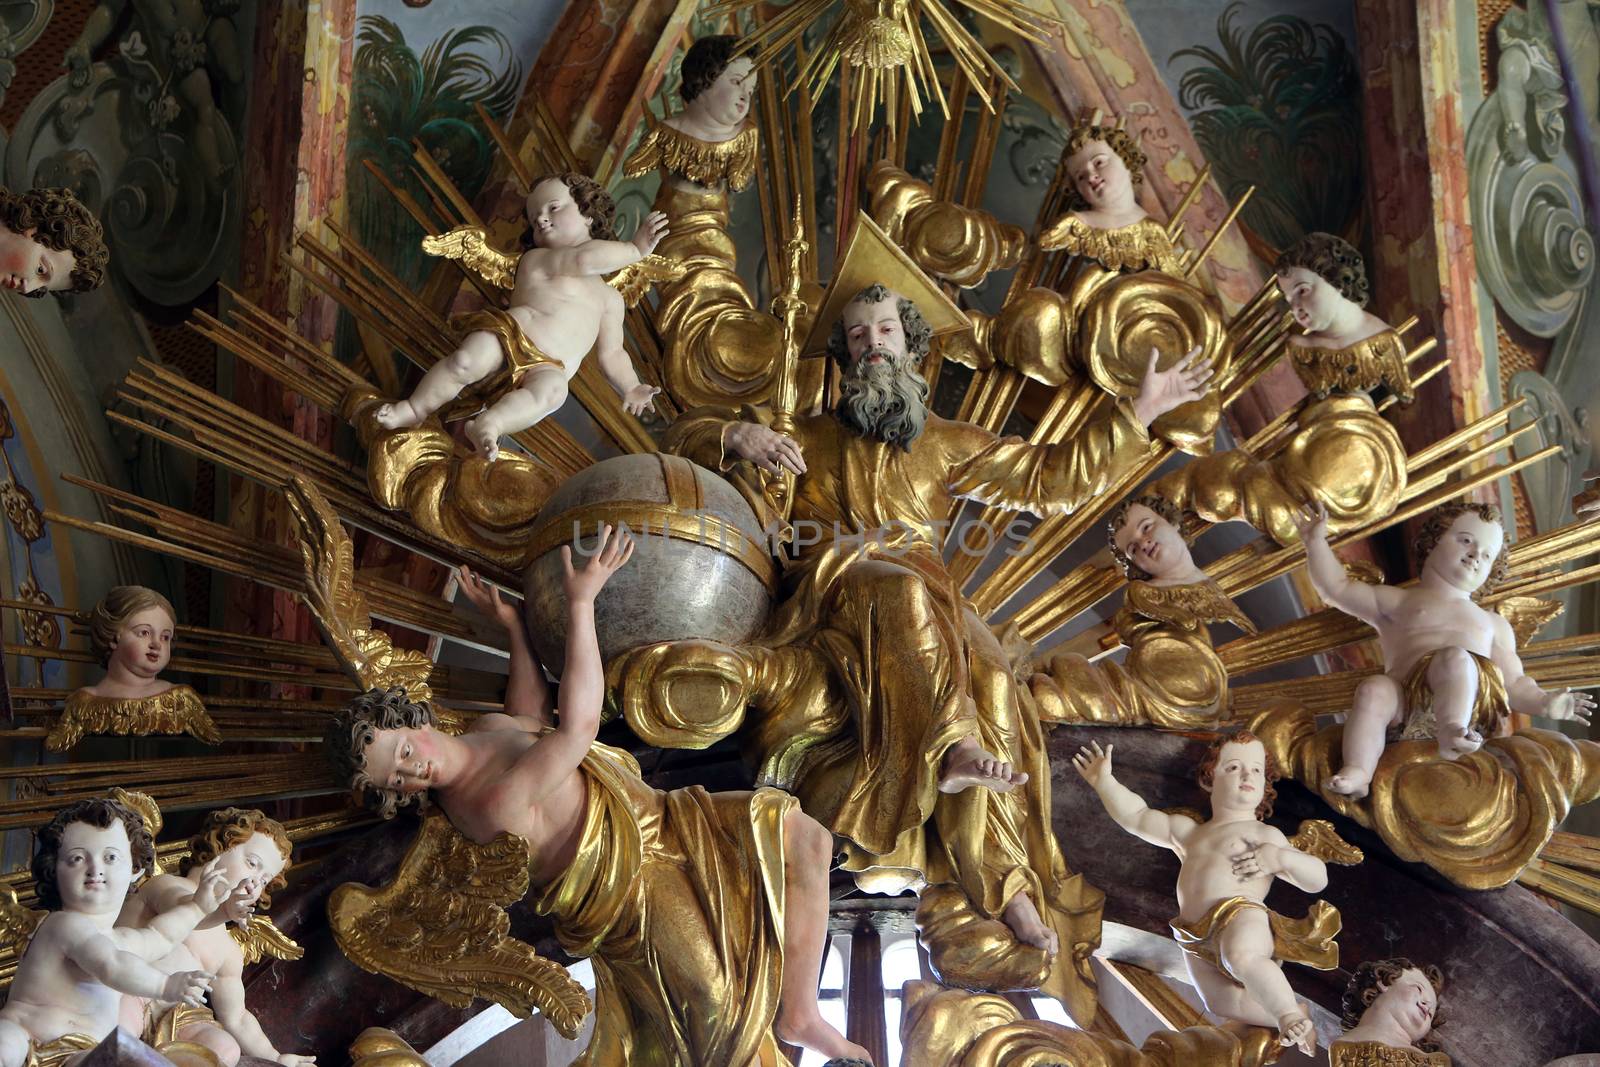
<point>1417,188</point>
<point>294,162</point>
<point>1101,62</point>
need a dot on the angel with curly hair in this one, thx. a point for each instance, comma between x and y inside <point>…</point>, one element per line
<point>1451,669</point>
<point>560,308</point>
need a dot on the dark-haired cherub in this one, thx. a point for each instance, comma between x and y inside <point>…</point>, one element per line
<point>69,985</point>
<point>560,308</point>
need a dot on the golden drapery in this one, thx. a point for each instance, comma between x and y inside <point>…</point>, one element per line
<point>679,899</point>
<point>910,668</point>
<point>1172,676</point>
<point>1375,1054</point>
<point>1308,940</point>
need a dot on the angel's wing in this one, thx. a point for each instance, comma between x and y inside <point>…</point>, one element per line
<point>635,281</point>
<point>17,922</point>
<point>1318,838</point>
<point>262,938</point>
<point>440,928</point>
<point>367,655</point>
<point>469,246</point>
<point>1528,615</point>
<point>149,811</point>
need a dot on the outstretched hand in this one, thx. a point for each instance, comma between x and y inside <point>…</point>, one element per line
<point>1311,521</point>
<point>637,401</point>
<point>1163,390</point>
<point>486,598</point>
<point>1094,763</point>
<point>1565,704</point>
<point>583,584</point>
<point>650,232</point>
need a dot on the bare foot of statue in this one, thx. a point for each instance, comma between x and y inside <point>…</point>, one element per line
<point>1030,928</point>
<point>1351,781</point>
<point>399,415</point>
<point>810,1030</point>
<point>1294,1028</point>
<point>967,765</point>
<point>1458,741</point>
<point>485,437</point>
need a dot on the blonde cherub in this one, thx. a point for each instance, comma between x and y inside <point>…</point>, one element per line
<point>1232,942</point>
<point>1451,669</point>
<point>560,308</point>
<point>68,989</point>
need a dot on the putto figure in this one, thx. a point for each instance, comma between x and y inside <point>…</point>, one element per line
<point>68,990</point>
<point>1451,669</point>
<point>1233,944</point>
<point>252,852</point>
<point>560,308</point>
<point>1390,1007</point>
<point>709,143</point>
<point>669,893</point>
<point>1104,166</point>
<point>130,633</point>
<point>49,243</point>
<point>1345,348</point>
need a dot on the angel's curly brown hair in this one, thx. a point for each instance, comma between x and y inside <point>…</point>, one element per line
<point>594,204</point>
<point>229,827</point>
<point>1207,773</point>
<point>357,726</point>
<point>1438,523</point>
<point>1371,978</point>
<point>1118,140</point>
<point>1334,260</point>
<point>101,813</point>
<point>1158,504</point>
<point>61,223</point>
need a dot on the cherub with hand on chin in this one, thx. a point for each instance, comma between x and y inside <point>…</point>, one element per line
<point>1451,669</point>
<point>560,308</point>
<point>1233,944</point>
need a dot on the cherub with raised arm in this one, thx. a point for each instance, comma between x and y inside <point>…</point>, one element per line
<point>1233,944</point>
<point>252,852</point>
<point>1389,1009</point>
<point>1451,669</point>
<point>130,633</point>
<point>668,892</point>
<point>69,985</point>
<point>1345,348</point>
<point>560,308</point>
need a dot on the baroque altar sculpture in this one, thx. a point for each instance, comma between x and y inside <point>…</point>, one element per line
<point>1390,1007</point>
<point>1233,944</point>
<point>559,310</point>
<point>130,633</point>
<point>49,243</point>
<point>527,805</point>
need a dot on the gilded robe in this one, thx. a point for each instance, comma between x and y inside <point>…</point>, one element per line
<point>679,899</point>
<point>910,667</point>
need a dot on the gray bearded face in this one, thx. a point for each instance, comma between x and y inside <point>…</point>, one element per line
<point>883,395</point>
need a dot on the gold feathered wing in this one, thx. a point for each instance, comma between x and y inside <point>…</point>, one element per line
<point>17,922</point>
<point>262,938</point>
<point>1318,838</point>
<point>470,247</point>
<point>440,928</point>
<point>634,282</point>
<point>367,655</point>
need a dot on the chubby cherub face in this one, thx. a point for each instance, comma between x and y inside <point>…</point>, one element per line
<point>26,266</point>
<point>1152,543</point>
<point>252,863</point>
<point>1100,175</point>
<point>554,216</point>
<point>404,759</point>
<point>1409,1001</point>
<point>1240,777</point>
<point>726,101</point>
<point>144,643</point>
<point>1466,553</point>
<point>94,867</point>
<point>1313,301</point>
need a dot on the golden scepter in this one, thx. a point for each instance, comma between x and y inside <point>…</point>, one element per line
<point>788,306</point>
